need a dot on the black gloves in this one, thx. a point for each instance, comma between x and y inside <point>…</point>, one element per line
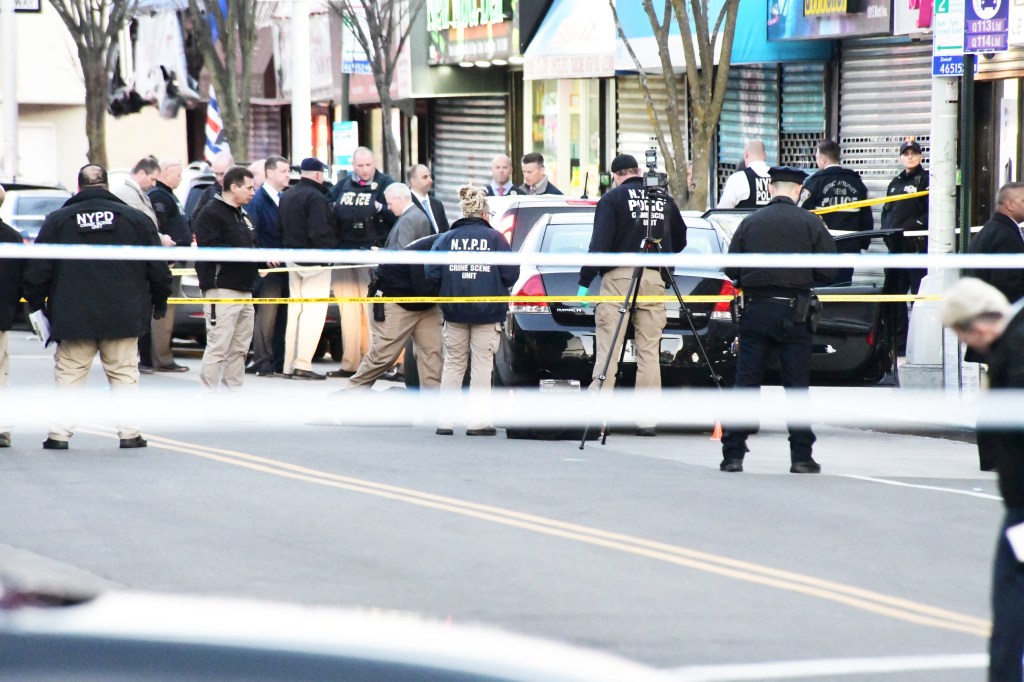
<point>159,310</point>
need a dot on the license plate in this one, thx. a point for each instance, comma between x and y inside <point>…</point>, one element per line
<point>630,355</point>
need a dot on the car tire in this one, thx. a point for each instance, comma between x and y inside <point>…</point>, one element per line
<point>409,368</point>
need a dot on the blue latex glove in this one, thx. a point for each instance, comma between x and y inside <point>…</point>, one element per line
<point>583,291</point>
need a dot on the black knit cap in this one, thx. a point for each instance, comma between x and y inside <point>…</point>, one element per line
<point>624,162</point>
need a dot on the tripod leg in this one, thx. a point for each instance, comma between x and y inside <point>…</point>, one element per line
<point>627,308</point>
<point>685,311</point>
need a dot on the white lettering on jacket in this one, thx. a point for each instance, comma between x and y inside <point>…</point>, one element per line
<point>97,220</point>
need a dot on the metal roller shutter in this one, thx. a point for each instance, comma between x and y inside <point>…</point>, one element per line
<point>633,128</point>
<point>750,112</point>
<point>803,113</point>
<point>884,95</point>
<point>468,133</point>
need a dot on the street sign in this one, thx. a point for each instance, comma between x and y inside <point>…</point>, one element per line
<point>346,139</point>
<point>948,38</point>
<point>986,26</point>
<point>28,5</point>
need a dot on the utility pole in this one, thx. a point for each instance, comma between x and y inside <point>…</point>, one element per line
<point>302,112</point>
<point>10,90</point>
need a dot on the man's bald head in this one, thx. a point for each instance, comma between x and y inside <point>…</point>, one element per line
<point>501,169</point>
<point>220,164</point>
<point>91,176</point>
<point>170,172</point>
<point>363,163</point>
<point>754,151</point>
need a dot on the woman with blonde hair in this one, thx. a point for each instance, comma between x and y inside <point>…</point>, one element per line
<point>471,329</point>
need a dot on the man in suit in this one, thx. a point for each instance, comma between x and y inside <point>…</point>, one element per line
<point>134,191</point>
<point>271,319</point>
<point>1001,234</point>
<point>421,182</point>
<point>534,177</point>
<point>501,178</point>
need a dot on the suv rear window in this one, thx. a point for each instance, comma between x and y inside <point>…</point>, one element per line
<point>527,216</point>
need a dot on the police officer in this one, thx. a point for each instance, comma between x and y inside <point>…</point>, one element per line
<point>364,222</point>
<point>619,227</point>
<point>97,305</point>
<point>834,185</point>
<point>748,188</point>
<point>776,312</point>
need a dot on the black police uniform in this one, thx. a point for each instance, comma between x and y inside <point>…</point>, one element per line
<point>362,224</point>
<point>774,314</point>
<point>758,195</point>
<point>836,186</point>
<point>619,228</point>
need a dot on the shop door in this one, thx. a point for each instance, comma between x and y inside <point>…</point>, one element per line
<point>750,112</point>
<point>468,133</point>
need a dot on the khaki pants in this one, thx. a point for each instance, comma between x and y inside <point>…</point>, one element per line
<point>5,367</point>
<point>305,320</point>
<point>355,317</point>
<point>228,335</point>
<point>648,324</point>
<point>162,330</point>
<point>389,339</point>
<point>120,358</point>
<point>460,341</point>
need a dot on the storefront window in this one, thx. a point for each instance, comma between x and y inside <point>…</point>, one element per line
<point>571,150</point>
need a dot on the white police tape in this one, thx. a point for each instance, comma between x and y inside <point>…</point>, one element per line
<point>371,257</point>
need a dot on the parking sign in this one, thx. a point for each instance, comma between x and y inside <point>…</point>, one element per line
<point>986,26</point>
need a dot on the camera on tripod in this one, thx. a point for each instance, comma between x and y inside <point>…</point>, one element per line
<point>654,182</point>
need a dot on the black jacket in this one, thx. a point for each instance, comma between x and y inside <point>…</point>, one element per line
<point>1001,235</point>
<point>10,279</point>
<point>473,234</point>
<point>97,299</point>
<point>306,219</point>
<point>204,198</point>
<point>1003,448</point>
<point>171,218</point>
<point>221,225</point>
<point>408,279</point>
<point>908,214</point>
<point>619,228</point>
<point>360,224</point>
<point>835,186</point>
<point>514,189</point>
<point>437,208</point>
<point>781,227</point>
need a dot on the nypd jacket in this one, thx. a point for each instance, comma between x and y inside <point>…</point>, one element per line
<point>619,225</point>
<point>1001,235</point>
<point>97,299</point>
<point>220,224</point>
<point>1000,448</point>
<point>170,215</point>
<point>306,220</point>
<point>781,227</point>
<point>408,279</point>
<point>10,279</point>
<point>835,186</point>
<point>473,234</point>
<point>361,225</point>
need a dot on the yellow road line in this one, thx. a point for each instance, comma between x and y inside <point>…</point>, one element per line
<point>867,600</point>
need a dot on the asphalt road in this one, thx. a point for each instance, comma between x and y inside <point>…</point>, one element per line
<point>640,547</point>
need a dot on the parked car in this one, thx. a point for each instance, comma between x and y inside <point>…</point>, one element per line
<point>516,214</point>
<point>557,340</point>
<point>25,207</point>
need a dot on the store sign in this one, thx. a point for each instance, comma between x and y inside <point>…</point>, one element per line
<point>819,8</point>
<point>948,38</point>
<point>987,26</point>
<point>346,139</point>
<point>446,14</point>
<point>472,30</point>
<point>27,5</point>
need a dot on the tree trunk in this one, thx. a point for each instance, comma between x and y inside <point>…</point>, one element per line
<point>235,118</point>
<point>96,87</point>
<point>701,140</point>
<point>392,157</point>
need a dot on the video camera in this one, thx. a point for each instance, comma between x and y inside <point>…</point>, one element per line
<point>654,182</point>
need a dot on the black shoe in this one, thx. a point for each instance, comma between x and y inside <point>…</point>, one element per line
<point>806,467</point>
<point>53,444</point>
<point>137,442</point>
<point>646,431</point>
<point>445,432</point>
<point>732,466</point>
<point>341,374</point>
<point>5,440</point>
<point>307,375</point>
<point>174,367</point>
<point>145,369</point>
<point>267,373</point>
<point>251,369</point>
<point>486,431</point>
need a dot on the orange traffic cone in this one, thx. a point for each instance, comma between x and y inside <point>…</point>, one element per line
<point>716,434</point>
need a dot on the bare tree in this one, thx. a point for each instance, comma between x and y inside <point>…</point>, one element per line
<point>226,33</point>
<point>94,25</point>
<point>381,27</point>
<point>705,83</point>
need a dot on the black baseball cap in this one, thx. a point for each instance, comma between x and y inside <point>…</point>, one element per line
<point>911,145</point>
<point>624,162</point>
<point>787,174</point>
<point>312,164</point>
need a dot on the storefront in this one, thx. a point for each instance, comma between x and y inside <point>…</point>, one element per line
<point>569,94</point>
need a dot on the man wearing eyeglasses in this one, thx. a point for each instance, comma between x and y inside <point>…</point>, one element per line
<point>220,164</point>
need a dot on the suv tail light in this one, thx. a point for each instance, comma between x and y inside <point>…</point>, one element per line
<point>534,286</point>
<point>507,226</point>
<point>722,309</point>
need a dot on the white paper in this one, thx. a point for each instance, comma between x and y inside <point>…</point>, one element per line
<point>1015,534</point>
<point>41,326</point>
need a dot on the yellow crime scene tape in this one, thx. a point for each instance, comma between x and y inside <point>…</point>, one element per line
<point>869,202</point>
